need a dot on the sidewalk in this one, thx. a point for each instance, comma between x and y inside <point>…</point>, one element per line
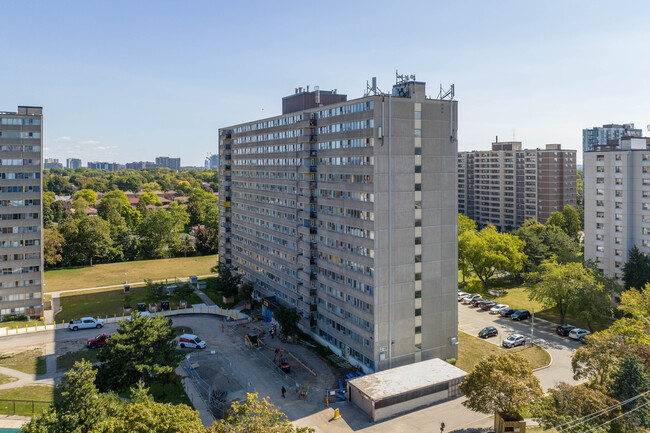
<point>199,404</point>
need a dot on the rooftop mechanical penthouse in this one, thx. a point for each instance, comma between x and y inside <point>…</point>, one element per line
<point>347,211</point>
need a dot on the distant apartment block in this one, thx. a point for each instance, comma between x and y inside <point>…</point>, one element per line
<point>97,165</point>
<point>507,185</point>
<point>607,134</point>
<point>617,202</point>
<point>52,163</point>
<point>73,163</point>
<point>212,162</point>
<point>140,165</point>
<point>346,211</point>
<point>21,155</point>
<point>167,162</point>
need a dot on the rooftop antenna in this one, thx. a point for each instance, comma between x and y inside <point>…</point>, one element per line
<point>444,94</point>
<point>403,78</point>
<point>371,88</point>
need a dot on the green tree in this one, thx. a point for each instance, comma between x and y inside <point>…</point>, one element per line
<point>246,290</point>
<point>80,408</point>
<point>48,215</point>
<point>87,194</point>
<point>143,348</point>
<point>155,292</point>
<point>596,360</point>
<point>631,330</point>
<point>592,302</point>
<point>631,380</point>
<point>151,186</point>
<point>465,224</point>
<point>53,243</point>
<point>636,303</point>
<point>556,219</point>
<point>546,242</point>
<point>148,198</point>
<point>183,292</point>
<point>572,221</point>
<point>288,319</point>
<point>93,239</point>
<point>566,404</point>
<point>636,271</point>
<point>488,252</point>
<point>158,233</point>
<point>500,384</point>
<point>228,280</point>
<point>255,415</point>
<point>112,197</point>
<point>555,285</point>
<point>79,205</point>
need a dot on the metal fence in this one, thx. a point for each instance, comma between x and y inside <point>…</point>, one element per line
<point>23,407</point>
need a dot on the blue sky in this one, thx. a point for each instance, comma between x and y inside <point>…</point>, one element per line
<point>131,80</point>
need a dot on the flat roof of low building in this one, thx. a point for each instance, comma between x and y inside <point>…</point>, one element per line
<point>387,383</point>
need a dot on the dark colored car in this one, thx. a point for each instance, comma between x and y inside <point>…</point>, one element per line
<point>507,312</point>
<point>520,315</point>
<point>476,301</point>
<point>487,305</point>
<point>564,330</point>
<point>488,332</point>
<point>100,341</point>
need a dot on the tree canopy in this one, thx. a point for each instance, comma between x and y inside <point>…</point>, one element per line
<point>636,271</point>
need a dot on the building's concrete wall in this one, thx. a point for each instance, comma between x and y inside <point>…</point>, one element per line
<point>407,406</point>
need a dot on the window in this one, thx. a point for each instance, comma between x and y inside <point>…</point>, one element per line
<point>619,181</point>
<point>619,193</point>
<point>600,157</point>
<point>600,169</point>
<point>418,115</point>
<point>600,248</point>
<point>618,241</point>
<point>600,214</point>
<point>618,229</point>
<point>600,203</point>
<point>418,133</point>
<point>618,157</point>
<point>600,237</point>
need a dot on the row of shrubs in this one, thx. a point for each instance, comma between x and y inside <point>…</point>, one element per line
<point>14,318</point>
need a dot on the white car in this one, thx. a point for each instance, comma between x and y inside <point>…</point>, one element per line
<point>469,298</point>
<point>85,323</point>
<point>461,295</point>
<point>497,308</point>
<point>514,340</point>
<point>577,333</point>
<point>191,341</point>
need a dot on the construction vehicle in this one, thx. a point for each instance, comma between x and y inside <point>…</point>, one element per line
<point>283,363</point>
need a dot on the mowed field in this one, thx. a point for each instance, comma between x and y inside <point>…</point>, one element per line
<point>113,273</point>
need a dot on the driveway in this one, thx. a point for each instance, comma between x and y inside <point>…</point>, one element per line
<point>471,320</point>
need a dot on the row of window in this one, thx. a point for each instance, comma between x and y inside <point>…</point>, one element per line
<point>19,162</point>
<point>19,122</point>
<point>17,230</point>
<point>20,283</point>
<point>347,264</point>
<point>270,275</point>
<point>18,216</point>
<point>264,211</point>
<point>345,195</point>
<point>297,147</point>
<point>350,247</point>
<point>281,135</point>
<point>347,281</point>
<point>19,256</point>
<point>266,236</point>
<point>20,135</point>
<point>27,202</point>
<point>286,189</point>
<point>20,270</point>
<point>21,176</point>
<point>20,243</point>
<point>345,109</point>
<point>345,144</point>
<point>265,174</point>
<point>353,353</point>
<point>346,212</point>
<point>290,120</point>
<point>19,148</point>
<point>265,248</point>
<point>347,160</point>
<point>294,162</point>
<point>346,178</point>
<point>20,188</point>
<point>263,223</point>
<point>347,126</point>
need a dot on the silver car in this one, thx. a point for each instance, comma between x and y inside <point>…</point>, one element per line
<point>514,340</point>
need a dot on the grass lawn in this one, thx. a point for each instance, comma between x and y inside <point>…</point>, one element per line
<point>113,273</point>
<point>66,361</point>
<point>19,324</point>
<point>29,361</point>
<point>472,349</point>
<point>170,393</point>
<point>102,303</point>
<point>6,379</point>
<point>179,330</point>
<point>39,393</point>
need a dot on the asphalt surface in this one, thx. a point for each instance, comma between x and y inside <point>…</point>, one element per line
<point>471,320</point>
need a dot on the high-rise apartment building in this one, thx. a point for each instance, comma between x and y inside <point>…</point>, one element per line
<point>212,162</point>
<point>100,165</point>
<point>52,163</point>
<point>346,211</point>
<point>617,203</point>
<point>21,155</point>
<point>604,135</point>
<point>73,163</point>
<point>167,162</point>
<point>507,185</point>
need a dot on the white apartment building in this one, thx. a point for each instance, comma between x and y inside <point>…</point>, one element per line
<point>617,203</point>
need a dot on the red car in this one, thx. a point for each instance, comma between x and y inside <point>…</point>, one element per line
<point>99,341</point>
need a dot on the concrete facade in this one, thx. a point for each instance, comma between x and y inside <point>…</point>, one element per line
<point>617,203</point>
<point>347,212</point>
<point>508,185</point>
<point>21,219</point>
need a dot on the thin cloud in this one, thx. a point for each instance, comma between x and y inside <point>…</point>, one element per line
<point>88,142</point>
<point>64,138</point>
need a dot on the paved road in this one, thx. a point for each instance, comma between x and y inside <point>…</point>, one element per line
<point>471,320</point>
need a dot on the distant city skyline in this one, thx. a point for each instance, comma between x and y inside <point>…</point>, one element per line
<point>120,81</point>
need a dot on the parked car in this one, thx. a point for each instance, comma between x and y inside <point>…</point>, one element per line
<point>583,339</point>
<point>576,333</point>
<point>496,309</point>
<point>100,341</point>
<point>564,329</point>
<point>514,340</point>
<point>191,341</point>
<point>487,332</point>
<point>85,323</point>
<point>461,295</point>
<point>487,306</point>
<point>469,298</point>
<point>475,301</point>
<point>507,312</point>
<point>520,315</point>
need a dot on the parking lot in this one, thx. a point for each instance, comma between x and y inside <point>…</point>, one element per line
<point>471,320</point>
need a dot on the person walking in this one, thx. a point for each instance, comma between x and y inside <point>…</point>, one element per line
<point>283,391</point>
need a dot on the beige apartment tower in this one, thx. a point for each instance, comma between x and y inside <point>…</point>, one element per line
<point>21,220</point>
<point>507,185</point>
<point>346,211</point>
